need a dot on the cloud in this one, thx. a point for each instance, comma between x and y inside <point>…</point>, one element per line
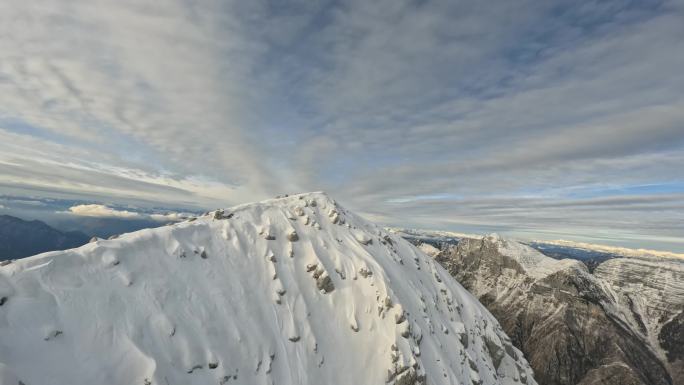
<point>114,95</point>
<point>508,115</point>
<point>94,210</point>
<point>98,210</point>
<point>170,217</point>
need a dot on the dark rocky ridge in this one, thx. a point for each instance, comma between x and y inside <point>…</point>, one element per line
<point>20,238</point>
<point>671,338</point>
<point>568,326</point>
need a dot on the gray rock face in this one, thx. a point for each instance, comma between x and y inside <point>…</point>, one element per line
<point>653,292</point>
<point>671,338</point>
<point>566,321</point>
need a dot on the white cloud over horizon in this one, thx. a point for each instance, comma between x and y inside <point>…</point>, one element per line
<point>169,217</point>
<point>104,211</point>
<point>563,117</point>
<point>95,210</point>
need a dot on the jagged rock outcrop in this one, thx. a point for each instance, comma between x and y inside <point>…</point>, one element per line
<point>566,321</point>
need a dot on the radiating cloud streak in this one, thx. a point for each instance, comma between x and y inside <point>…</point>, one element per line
<point>529,115</point>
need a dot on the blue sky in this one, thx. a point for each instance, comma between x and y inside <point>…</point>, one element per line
<point>539,119</point>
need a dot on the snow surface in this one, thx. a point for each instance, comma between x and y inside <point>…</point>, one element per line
<point>428,249</point>
<point>236,297</point>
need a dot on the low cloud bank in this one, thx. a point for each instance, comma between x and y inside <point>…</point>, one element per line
<point>95,210</point>
<point>627,252</point>
<point>102,211</point>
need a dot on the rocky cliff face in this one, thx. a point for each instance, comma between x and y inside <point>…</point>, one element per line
<point>653,293</point>
<point>572,326</point>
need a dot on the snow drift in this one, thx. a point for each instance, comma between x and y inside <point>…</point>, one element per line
<point>288,291</point>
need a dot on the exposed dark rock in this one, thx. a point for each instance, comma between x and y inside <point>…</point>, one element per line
<point>365,273</point>
<point>53,334</point>
<point>325,283</point>
<point>671,338</point>
<point>409,377</point>
<point>496,351</point>
<point>613,374</point>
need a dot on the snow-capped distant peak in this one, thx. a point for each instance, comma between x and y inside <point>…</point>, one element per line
<point>429,249</point>
<point>295,290</point>
<point>536,264</point>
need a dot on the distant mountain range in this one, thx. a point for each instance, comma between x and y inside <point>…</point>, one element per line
<point>20,238</point>
<point>104,227</point>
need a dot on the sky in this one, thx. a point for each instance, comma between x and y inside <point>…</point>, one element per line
<point>537,119</point>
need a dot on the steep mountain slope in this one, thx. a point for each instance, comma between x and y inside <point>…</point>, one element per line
<point>288,291</point>
<point>564,319</point>
<point>653,291</point>
<point>20,238</point>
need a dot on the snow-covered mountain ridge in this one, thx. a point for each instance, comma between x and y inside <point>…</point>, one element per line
<point>288,291</point>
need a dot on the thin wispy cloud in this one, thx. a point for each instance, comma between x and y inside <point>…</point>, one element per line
<point>535,116</point>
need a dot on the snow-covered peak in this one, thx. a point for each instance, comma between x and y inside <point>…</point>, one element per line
<point>294,290</point>
<point>536,264</point>
<point>429,249</point>
<point>494,237</point>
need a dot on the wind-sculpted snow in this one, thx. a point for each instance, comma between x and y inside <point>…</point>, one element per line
<point>289,291</point>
